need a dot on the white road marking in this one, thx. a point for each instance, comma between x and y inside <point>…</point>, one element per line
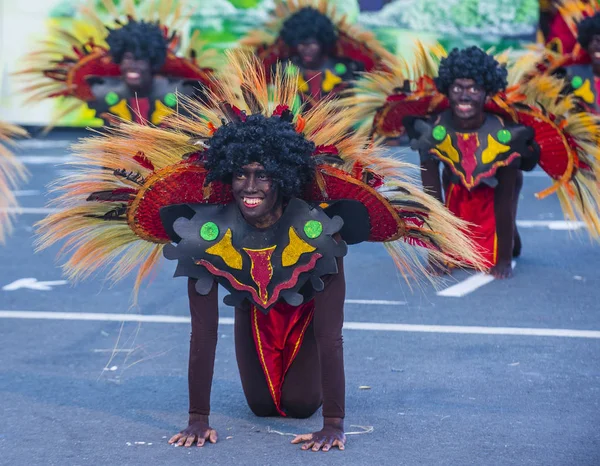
<point>365,326</point>
<point>30,210</point>
<point>45,159</point>
<point>469,285</point>
<point>26,192</point>
<point>536,174</point>
<point>376,302</point>
<point>551,224</point>
<point>113,350</point>
<point>33,284</point>
<point>44,143</point>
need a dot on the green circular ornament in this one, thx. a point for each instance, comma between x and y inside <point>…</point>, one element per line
<point>504,136</point>
<point>313,229</point>
<point>209,231</point>
<point>439,133</point>
<point>577,82</point>
<point>170,99</point>
<point>112,98</point>
<point>340,68</point>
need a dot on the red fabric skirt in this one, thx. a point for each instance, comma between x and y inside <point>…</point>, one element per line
<point>476,207</point>
<point>278,336</point>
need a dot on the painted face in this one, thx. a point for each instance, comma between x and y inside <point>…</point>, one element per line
<point>256,195</point>
<point>137,74</point>
<point>594,49</point>
<point>310,52</point>
<point>467,99</point>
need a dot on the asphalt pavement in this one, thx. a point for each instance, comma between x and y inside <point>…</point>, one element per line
<point>488,373</point>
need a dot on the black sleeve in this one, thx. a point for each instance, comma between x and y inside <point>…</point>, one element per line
<point>204,310</point>
<point>327,323</point>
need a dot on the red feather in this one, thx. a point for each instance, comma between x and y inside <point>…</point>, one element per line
<point>144,161</point>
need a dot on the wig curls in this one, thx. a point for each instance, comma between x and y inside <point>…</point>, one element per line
<point>587,29</point>
<point>309,23</point>
<point>273,142</point>
<point>145,40</point>
<point>472,63</point>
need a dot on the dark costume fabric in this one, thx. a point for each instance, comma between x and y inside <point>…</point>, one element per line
<point>87,76</point>
<point>472,159</point>
<point>278,353</point>
<point>152,191</point>
<point>525,125</point>
<point>265,271</point>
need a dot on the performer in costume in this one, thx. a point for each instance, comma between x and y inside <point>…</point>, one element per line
<point>557,33</point>
<point>126,69</point>
<point>310,36</point>
<point>577,64</point>
<point>11,172</point>
<point>463,116</point>
<point>263,200</point>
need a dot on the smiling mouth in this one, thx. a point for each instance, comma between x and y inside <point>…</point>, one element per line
<point>133,75</point>
<point>596,55</point>
<point>464,107</point>
<point>252,202</point>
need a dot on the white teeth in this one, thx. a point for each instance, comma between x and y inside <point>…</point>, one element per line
<point>597,55</point>
<point>252,200</point>
<point>133,75</point>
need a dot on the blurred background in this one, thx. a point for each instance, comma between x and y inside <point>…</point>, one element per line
<point>489,23</point>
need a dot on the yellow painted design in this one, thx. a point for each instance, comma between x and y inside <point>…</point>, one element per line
<point>493,149</point>
<point>331,80</point>
<point>447,151</point>
<point>302,84</point>
<point>225,250</point>
<point>296,247</point>
<point>160,112</point>
<point>88,113</point>
<point>585,92</point>
<point>121,110</point>
<point>324,205</point>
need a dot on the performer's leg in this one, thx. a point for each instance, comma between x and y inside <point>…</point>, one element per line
<point>251,373</point>
<point>301,393</point>
<point>517,239</point>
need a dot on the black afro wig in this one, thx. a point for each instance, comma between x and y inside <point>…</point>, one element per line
<point>145,40</point>
<point>587,29</point>
<point>308,23</point>
<point>273,142</point>
<point>471,63</point>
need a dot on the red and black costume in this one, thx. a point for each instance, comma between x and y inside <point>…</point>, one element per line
<point>471,161</point>
<point>83,65</point>
<point>525,125</point>
<point>567,57</point>
<point>144,191</point>
<point>349,49</point>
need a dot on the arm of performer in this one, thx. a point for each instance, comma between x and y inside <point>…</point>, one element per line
<point>327,323</point>
<point>505,221</point>
<point>430,177</point>
<point>432,184</point>
<point>204,311</point>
